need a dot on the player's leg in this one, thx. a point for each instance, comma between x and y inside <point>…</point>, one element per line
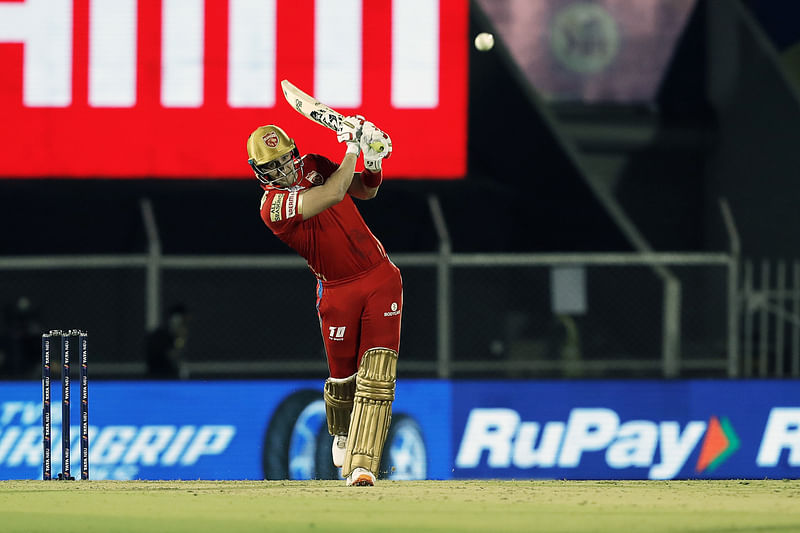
<point>371,417</point>
<point>377,371</point>
<point>339,322</point>
<point>339,395</point>
<point>383,311</point>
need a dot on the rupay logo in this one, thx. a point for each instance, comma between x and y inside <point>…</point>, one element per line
<point>508,441</point>
<point>719,443</point>
<point>782,433</point>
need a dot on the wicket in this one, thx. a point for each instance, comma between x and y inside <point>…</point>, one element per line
<point>65,336</point>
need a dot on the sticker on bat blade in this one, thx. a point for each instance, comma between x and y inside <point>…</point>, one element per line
<point>326,119</point>
<point>298,104</point>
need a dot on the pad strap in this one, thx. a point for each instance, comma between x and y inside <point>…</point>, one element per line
<point>338,395</point>
<point>372,410</point>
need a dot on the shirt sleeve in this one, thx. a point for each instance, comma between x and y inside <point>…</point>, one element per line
<point>325,166</point>
<point>279,210</point>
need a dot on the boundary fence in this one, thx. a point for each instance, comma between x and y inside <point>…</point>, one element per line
<point>742,304</point>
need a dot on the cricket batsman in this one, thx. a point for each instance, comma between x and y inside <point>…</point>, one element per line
<point>308,204</point>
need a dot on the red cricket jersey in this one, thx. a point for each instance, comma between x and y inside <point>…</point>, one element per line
<point>337,244</point>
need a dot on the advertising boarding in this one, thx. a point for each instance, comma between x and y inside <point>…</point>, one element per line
<point>627,430</point>
<point>215,430</point>
<point>440,430</point>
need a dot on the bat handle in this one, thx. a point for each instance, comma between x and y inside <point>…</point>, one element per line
<point>377,146</point>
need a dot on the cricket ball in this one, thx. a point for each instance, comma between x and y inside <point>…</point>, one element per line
<point>484,41</point>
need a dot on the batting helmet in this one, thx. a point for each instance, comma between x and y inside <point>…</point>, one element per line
<point>269,151</point>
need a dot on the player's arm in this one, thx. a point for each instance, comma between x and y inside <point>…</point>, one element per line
<point>365,184</point>
<point>315,200</point>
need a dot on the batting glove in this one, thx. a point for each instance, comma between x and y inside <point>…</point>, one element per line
<point>349,129</point>
<point>376,146</point>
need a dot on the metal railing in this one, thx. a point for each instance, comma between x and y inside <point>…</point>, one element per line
<point>771,309</point>
<point>444,364</point>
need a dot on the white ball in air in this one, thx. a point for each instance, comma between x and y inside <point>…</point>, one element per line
<point>484,41</point>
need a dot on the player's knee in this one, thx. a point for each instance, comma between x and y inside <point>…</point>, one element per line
<point>377,374</point>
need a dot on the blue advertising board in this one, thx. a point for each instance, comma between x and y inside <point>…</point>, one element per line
<point>215,430</point>
<point>440,430</point>
<point>627,429</point>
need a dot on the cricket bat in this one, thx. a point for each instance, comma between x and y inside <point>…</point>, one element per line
<point>313,109</point>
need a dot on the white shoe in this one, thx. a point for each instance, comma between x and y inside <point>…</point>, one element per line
<point>338,450</point>
<point>361,477</point>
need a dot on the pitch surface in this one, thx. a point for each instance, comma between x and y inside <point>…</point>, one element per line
<point>457,506</point>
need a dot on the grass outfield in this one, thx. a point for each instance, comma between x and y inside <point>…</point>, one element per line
<point>485,506</point>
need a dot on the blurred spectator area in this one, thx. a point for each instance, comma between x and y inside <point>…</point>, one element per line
<point>599,51</point>
<point>613,126</point>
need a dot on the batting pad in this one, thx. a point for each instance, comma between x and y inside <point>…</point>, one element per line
<point>372,410</point>
<point>338,395</point>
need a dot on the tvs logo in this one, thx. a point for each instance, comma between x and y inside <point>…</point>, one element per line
<point>270,139</point>
<point>720,442</point>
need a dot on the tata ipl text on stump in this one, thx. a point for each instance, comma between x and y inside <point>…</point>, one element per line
<point>66,337</point>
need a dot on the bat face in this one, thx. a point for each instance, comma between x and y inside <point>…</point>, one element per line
<point>310,107</point>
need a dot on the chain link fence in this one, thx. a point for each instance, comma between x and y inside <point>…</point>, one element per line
<point>611,316</point>
<point>465,315</point>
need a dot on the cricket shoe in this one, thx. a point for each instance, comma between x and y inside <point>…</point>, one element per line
<point>338,450</point>
<point>361,477</point>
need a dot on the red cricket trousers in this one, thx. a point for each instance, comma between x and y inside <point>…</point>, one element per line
<point>359,313</point>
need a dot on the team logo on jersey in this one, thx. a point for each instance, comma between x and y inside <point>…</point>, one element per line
<point>276,209</point>
<point>395,310</point>
<point>270,139</point>
<point>314,177</point>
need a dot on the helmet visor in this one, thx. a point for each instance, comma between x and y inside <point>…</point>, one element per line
<point>279,171</point>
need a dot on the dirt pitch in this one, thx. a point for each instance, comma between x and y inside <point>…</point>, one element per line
<point>457,506</point>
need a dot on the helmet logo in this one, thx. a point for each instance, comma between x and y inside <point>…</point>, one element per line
<point>270,139</point>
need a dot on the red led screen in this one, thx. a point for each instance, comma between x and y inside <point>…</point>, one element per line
<point>173,88</point>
